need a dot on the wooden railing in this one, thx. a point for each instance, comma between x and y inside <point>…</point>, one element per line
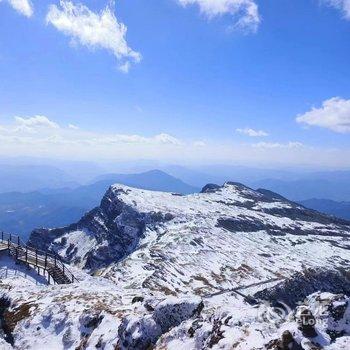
<point>51,263</point>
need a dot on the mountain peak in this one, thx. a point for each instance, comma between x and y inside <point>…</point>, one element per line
<point>170,261</point>
<point>235,214</point>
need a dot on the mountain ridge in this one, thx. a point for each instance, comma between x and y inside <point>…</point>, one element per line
<point>199,271</point>
<point>126,215</point>
<point>22,212</point>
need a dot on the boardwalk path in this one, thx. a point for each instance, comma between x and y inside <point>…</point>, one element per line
<point>42,261</point>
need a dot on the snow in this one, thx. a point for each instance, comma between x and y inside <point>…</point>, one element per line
<point>9,271</point>
<point>188,272</point>
<point>191,253</point>
<point>245,327</point>
<point>342,343</point>
<point>81,240</point>
<point>60,313</point>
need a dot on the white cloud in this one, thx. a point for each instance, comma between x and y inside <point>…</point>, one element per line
<point>24,7</point>
<point>125,67</point>
<point>72,126</point>
<point>167,139</point>
<point>41,137</point>
<point>270,145</point>
<point>252,133</point>
<point>334,115</point>
<point>32,123</point>
<point>342,5</point>
<point>93,30</point>
<point>39,133</point>
<point>244,12</point>
<point>199,144</point>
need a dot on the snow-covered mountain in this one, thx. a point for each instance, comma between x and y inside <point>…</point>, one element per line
<point>191,238</point>
<point>200,271</point>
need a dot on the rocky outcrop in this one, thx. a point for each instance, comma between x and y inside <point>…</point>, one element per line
<point>321,321</point>
<point>111,231</point>
<point>297,287</point>
<point>142,332</point>
<point>5,331</point>
<point>286,342</point>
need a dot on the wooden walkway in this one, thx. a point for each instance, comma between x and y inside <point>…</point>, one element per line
<point>42,261</point>
<point>3,246</point>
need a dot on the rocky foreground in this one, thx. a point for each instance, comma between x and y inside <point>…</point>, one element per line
<point>228,268</point>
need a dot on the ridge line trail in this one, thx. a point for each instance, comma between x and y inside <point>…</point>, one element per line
<point>233,290</point>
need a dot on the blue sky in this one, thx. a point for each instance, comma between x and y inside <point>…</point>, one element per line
<point>206,81</point>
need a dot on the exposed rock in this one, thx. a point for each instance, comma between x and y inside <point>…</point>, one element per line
<point>172,312</point>
<point>216,334</point>
<point>110,231</point>
<point>298,286</point>
<point>241,225</point>
<point>227,330</point>
<point>287,342</point>
<point>5,329</point>
<point>139,333</point>
<point>272,195</point>
<point>307,323</point>
<point>137,300</point>
<point>210,188</point>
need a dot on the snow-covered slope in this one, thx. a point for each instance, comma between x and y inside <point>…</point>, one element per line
<point>96,314</point>
<point>191,272</point>
<point>221,238</point>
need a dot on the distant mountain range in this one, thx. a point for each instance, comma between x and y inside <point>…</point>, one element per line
<point>27,178</point>
<point>22,212</point>
<point>296,185</point>
<point>336,189</point>
<point>27,175</point>
<point>339,209</point>
<point>151,180</point>
<point>52,194</point>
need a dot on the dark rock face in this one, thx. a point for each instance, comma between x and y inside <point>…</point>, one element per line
<point>115,227</point>
<point>210,188</point>
<point>286,342</point>
<point>293,211</point>
<point>296,288</point>
<point>236,225</point>
<point>5,329</point>
<point>139,333</point>
<point>307,322</point>
<point>296,212</point>
<point>270,194</point>
<point>248,224</point>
